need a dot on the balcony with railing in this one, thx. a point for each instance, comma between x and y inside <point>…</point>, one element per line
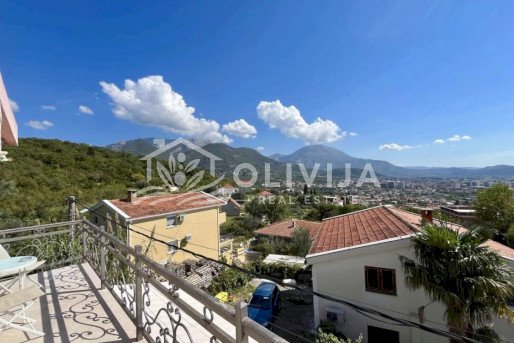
<point>99,289</point>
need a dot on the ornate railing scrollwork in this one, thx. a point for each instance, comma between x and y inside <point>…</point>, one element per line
<point>159,302</point>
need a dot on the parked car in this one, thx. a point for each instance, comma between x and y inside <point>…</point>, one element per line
<point>265,303</point>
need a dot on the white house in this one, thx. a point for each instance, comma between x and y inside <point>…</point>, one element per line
<point>226,191</point>
<point>355,258</point>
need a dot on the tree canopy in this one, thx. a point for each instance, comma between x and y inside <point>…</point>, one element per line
<point>495,210</point>
<point>472,281</point>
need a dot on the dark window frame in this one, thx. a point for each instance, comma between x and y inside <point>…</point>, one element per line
<point>380,288</point>
<point>175,220</point>
<point>382,332</point>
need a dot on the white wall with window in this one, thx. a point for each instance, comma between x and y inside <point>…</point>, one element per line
<point>372,276</point>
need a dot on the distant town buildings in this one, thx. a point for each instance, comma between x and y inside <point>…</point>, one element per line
<point>461,212</point>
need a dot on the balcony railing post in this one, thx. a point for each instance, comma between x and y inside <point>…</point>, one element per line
<point>139,293</point>
<point>84,241</point>
<point>241,312</point>
<point>103,267</point>
<point>72,209</point>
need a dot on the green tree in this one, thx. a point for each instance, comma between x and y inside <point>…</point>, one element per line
<point>323,210</point>
<point>300,242</point>
<point>242,226</point>
<point>470,280</point>
<point>495,207</point>
<point>273,208</point>
<point>239,195</point>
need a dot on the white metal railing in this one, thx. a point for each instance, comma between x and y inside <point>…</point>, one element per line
<point>135,280</point>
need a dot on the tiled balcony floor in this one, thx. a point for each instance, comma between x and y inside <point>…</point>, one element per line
<point>75,309</point>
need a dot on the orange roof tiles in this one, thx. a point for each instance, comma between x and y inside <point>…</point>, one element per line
<point>286,228</point>
<point>501,249</point>
<point>163,204</point>
<point>377,224</point>
<point>361,227</point>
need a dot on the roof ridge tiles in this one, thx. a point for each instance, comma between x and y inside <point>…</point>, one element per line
<point>412,226</point>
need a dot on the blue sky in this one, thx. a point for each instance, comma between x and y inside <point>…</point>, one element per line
<point>399,75</point>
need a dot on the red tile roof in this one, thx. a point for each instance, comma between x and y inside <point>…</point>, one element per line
<point>377,224</point>
<point>286,228</point>
<point>414,218</point>
<point>361,227</point>
<point>265,194</point>
<point>163,204</point>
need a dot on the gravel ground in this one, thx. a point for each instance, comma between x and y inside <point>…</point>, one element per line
<point>296,317</point>
<point>295,321</point>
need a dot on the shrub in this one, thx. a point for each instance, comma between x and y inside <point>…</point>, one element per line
<point>276,270</point>
<point>228,280</point>
<point>327,333</point>
<point>323,337</point>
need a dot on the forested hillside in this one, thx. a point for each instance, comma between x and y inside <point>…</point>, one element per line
<point>43,173</point>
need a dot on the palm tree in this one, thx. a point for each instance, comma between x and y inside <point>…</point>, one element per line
<point>472,281</point>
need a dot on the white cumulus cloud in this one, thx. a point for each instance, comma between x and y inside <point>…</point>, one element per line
<point>353,134</point>
<point>394,146</point>
<point>291,123</point>
<point>40,125</point>
<point>151,101</point>
<point>458,138</point>
<point>49,107</point>
<point>14,105</point>
<point>240,128</point>
<point>86,110</point>
<point>259,148</point>
<point>439,141</point>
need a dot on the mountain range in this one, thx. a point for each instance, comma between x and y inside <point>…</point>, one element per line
<point>309,156</point>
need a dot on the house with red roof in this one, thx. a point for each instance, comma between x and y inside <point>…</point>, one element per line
<point>265,194</point>
<point>226,190</point>
<point>285,229</point>
<point>355,257</point>
<point>187,220</point>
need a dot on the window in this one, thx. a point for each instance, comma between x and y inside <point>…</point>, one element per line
<point>379,335</point>
<point>171,246</point>
<point>380,280</point>
<point>171,221</point>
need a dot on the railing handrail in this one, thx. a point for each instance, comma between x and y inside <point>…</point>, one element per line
<point>39,227</point>
<point>244,326</point>
<point>206,299</point>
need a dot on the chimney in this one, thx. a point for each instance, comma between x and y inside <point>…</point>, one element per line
<point>427,215</point>
<point>131,195</point>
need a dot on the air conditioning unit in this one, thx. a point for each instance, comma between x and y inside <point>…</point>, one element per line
<point>335,314</point>
<point>188,238</point>
<point>181,217</point>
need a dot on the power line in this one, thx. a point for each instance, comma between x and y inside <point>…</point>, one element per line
<point>356,307</point>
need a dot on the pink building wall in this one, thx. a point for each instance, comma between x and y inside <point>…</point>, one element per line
<point>9,127</point>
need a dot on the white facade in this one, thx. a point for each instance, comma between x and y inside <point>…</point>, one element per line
<point>341,274</point>
<point>226,192</point>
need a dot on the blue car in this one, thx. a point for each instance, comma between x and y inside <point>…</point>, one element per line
<point>265,303</point>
